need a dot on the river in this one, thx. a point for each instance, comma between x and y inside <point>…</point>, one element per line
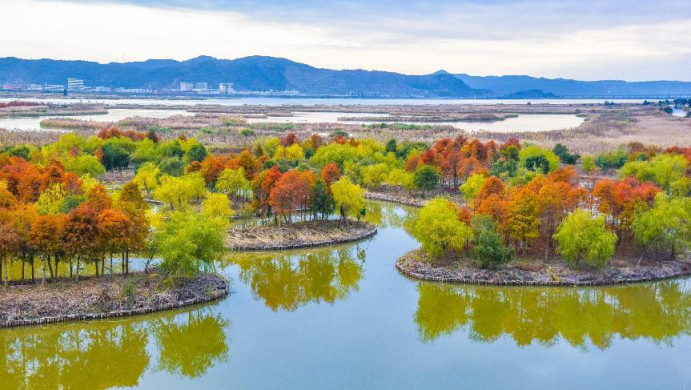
<point>343,317</point>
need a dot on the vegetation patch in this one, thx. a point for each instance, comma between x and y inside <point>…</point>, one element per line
<point>419,265</point>
<point>94,298</point>
<point>298,235</point>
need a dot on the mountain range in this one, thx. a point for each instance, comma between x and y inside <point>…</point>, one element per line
<point>260,73</point>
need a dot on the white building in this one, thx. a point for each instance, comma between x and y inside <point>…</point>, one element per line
<point>201,85</point>
<point>186,86</point>
<point>75,84</point>
<point>226,88</point>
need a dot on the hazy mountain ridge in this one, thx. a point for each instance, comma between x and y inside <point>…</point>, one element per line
<point>254,73</point>
<point>260,73</point>
<point>505,85</point>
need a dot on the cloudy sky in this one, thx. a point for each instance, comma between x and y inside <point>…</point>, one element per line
<point>586,39</point>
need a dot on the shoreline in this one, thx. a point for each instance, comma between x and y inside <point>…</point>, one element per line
<point>555,275</point>
<point>92,293</point>
<point>301,233</point>
<point>406,201</point>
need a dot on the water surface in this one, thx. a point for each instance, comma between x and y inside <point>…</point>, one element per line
<point>343,317</point>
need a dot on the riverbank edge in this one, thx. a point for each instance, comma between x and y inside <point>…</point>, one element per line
<point>254,248</point>
<point>211,296</point>
<point>395,199</point>
<point>405,264</point>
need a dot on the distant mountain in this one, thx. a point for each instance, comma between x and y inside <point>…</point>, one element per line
<point>504,85</point>
<point>530,94</point>
<point>255,73</point>
<point>258,73</point>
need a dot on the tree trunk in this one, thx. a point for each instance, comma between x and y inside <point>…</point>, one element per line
<point>50,268</point>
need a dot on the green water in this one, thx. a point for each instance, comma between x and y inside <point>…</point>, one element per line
<point>343,317</point>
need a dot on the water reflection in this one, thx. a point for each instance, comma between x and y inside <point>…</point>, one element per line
<point>191,343</point>
<point>659,312</point>
<point>105,354</point>
<point>288,280</point>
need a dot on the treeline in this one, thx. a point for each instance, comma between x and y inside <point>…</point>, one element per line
<point>523,199</point>
<point>518,196</point>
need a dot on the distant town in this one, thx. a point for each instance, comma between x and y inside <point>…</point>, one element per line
<point>185,88</point>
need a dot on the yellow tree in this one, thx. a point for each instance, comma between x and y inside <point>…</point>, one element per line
<point>438,228</point>
<point>349,198</point>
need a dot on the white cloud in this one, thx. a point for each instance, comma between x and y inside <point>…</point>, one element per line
<point>110,32</point>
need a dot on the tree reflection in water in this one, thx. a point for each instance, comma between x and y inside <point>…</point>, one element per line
<point>580,316</point>
<point>105,354</point>
<point>288,280</point>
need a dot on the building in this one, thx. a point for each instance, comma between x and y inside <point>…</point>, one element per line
<point>186,86</point>
<point>75,84</point>
<point>226,88</point>
<point>201,85</point>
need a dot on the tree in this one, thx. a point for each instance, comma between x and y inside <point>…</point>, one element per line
<point>147,177</point>
<point>438,228</point>
<point>563,153</point>
<point>46,237</point>
<point>189,243</point>
<point>290,193</point>
<point>85,165</point>
<point>321,201</point>
<point>471,187</point>
<point>582,237</point>
<point>218,206</point>
<point>349,198</point>
<point>523,223</point>
<point>426,178</point>
<point>536,159</point>
<point>51,199</point>
<point>114,156</point>
<point>195,153</point>
<point>374,175</point>
<point>330,173</point>
<point>233,181</point>
<point>488,246</point>
<point>177,192</point>
<point>666,226</point>
<point>113,227</point>
<point>82,235</point>
<point>663,170</point>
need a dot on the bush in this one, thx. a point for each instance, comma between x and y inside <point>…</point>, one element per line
<point>488,246</point>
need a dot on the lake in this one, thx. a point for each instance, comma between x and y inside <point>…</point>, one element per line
<point>521,123</point>
<point>343,317</point>
<point>113,115</point>
<point>280,101</point>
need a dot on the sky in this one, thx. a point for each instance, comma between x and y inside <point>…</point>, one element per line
<point>586,40</point>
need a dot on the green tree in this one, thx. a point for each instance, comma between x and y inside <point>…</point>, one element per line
<point>233,181</point>
<point>189,243</point>
<point>321,202</point>
<point>85,165</point>
<point>196,153</point>
<point>538,159</point>
<point>426,178</point>
<point>114,156</point>
<point>666,226</point>
<point>582,237</point>
<point>438,228</point>
<point>564,155</point>
<point>471,187</point>
<point>488,246</point>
